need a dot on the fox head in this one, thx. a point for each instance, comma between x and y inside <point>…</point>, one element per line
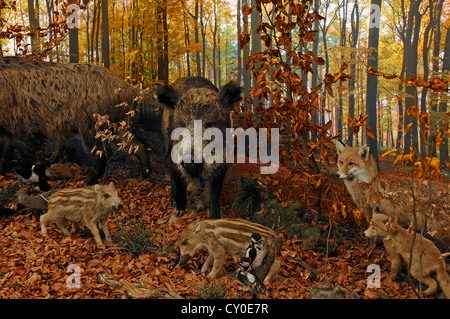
<point>355,163</point>
<point>379,226</point>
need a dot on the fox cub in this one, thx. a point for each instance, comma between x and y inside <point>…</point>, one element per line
<point>398,242</point>
<point>86,204</point>
<point>392,195</point>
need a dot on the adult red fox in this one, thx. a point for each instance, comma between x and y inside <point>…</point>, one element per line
<point>393,195</point>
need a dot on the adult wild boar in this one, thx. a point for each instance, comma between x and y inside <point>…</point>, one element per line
<point>57,101</point>
<point>187,102</point>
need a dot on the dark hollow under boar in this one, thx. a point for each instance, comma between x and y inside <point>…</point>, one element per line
<point>57,101</point>
<point>187,100</point>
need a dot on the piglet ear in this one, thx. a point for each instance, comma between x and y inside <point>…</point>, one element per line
<point>166,95</point>
<point>111,184</point>
<point>229,95</point>
<point>97,188</point>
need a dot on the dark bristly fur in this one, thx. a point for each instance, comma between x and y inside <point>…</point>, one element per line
<point>186,100</point>
<point>57,101</point>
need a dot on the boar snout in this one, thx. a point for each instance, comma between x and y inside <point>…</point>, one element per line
<point>184,259</point>
<point>194,169</point>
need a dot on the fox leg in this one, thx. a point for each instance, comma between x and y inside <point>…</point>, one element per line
<point>432,285</point>
<point>396,266</point>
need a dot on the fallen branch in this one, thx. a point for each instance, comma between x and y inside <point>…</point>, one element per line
<point>139,291</point>
<point>305,265</point>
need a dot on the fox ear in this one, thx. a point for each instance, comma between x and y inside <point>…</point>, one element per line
<point>364,152</point>
<point>339,146</point>
<point>166,95</point>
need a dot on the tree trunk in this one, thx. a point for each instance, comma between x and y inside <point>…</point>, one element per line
<point>443,149</point>
<point>256,45</point>
<point>105,34</point>
<point>411,59</point>
<point>351,82</point>
<point>239,55</point>
<point>34,24</point>
<point>74,53</point>
<point>372,80</point>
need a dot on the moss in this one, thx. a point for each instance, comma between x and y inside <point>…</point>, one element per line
<point>278,216</point>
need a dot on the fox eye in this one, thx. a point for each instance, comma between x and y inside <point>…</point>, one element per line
<point>350,163</point>
<point>106,196</point>
<point>341,162</point>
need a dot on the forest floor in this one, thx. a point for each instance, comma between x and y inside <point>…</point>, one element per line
<point>35,267</point>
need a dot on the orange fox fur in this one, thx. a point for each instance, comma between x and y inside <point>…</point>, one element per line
<point>392,195</point>
<point>398,242</point>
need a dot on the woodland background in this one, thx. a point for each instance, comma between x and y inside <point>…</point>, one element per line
<point>316,70</point>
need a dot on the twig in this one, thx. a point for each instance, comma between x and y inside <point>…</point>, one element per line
<point>305,265</point>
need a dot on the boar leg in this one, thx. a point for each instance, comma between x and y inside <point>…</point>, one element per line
<point>214,186</point>
<point>207,263</point>
<point>219,261</point>
<point>60,223</point>
<point>94,230</point>
<point>105,227</point>
<point>179,189</point>
<point>98,170</point>
<point>142,155</point>
<point>5,148</point>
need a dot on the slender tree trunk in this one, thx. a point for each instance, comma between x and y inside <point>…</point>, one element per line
<point>372,80</point>
<point>239,31</point>
<point>443,149</point>
<point>351,82</point>
<point>105,34</point>
<point>410,51</point>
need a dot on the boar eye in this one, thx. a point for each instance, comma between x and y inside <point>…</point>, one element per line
<point>350,163</point>
<point>185,242</point>
<point>106,196</point>
<point>182,124</point>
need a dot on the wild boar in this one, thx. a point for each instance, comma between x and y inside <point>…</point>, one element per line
<point>57,101</point>
<point>195,104</point>
<point>222,237</point>
<point>87,204</point>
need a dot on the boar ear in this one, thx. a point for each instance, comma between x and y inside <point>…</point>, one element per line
<point>364,151</point>
<point>97,188</point>
<point>229,95</point>
<point>339,146</point>
<point>166,95</point>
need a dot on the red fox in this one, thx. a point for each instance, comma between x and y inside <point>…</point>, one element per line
<point>398,242</point>
<point>392,195</point>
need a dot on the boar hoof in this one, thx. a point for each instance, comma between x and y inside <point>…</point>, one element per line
<point>180,213</point>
